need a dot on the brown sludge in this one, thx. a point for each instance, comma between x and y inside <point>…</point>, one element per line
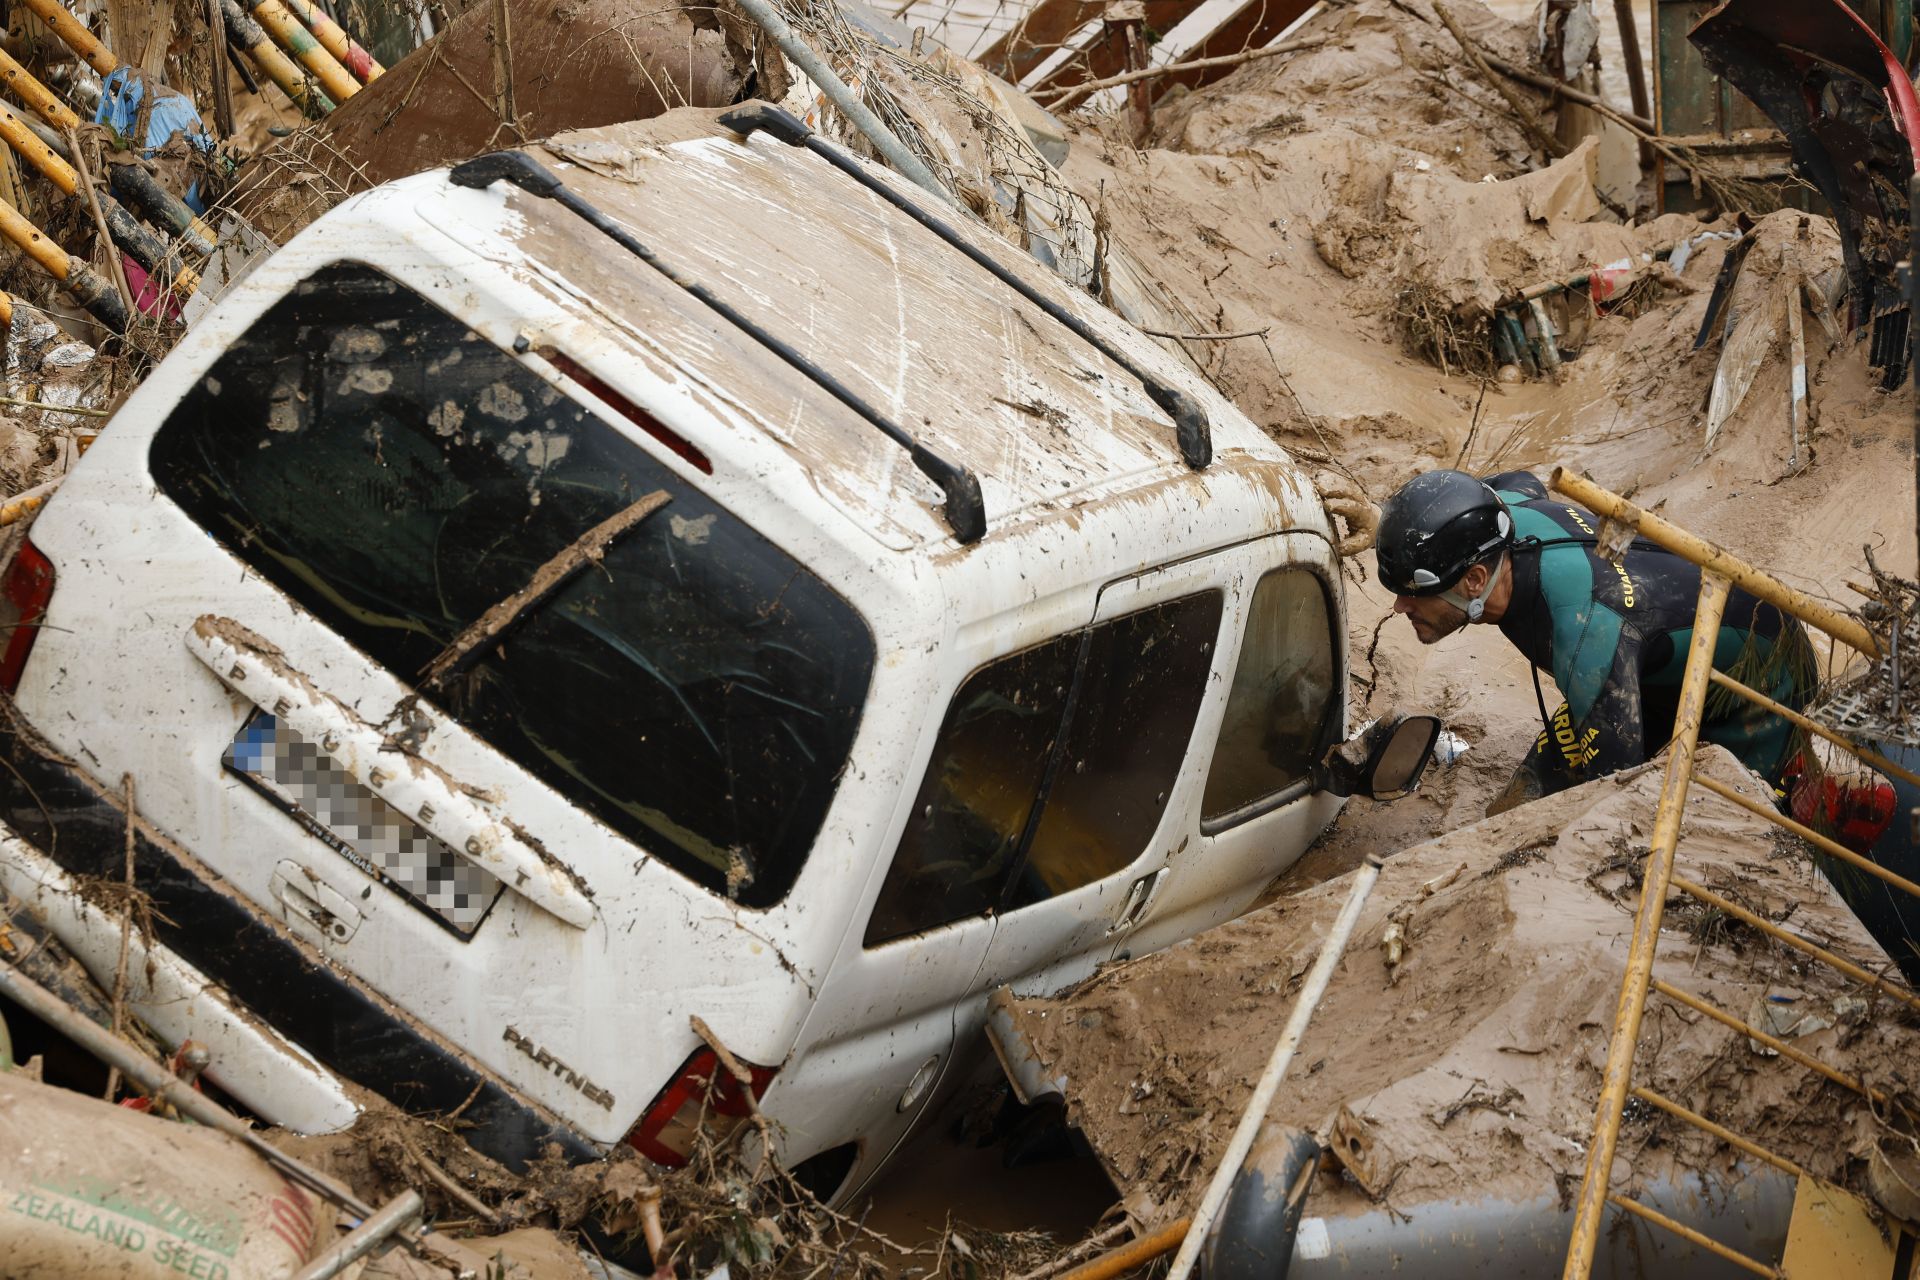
<point>1478,1067</point>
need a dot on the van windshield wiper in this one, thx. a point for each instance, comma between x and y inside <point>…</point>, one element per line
<point>965,510</point>
<point>1191,428</point>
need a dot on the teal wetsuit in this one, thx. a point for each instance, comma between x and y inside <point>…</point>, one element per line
<point>1615,637</point>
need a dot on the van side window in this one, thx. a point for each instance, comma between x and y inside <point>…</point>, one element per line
<point>1001,751</point>
<point>1145,676</point>
<point>397,475</point>
<point>1279,711</point>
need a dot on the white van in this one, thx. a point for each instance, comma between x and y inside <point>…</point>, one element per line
<point>516,659</point>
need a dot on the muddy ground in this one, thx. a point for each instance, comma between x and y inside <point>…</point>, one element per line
<point>1348,203</point>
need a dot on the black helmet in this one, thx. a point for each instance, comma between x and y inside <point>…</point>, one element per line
<point>1437,527</point>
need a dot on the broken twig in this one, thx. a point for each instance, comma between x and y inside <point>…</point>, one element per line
<point>1069,96</point>
<point>587,549</point>
<point>1208,337</point>
<point>1522,112</point>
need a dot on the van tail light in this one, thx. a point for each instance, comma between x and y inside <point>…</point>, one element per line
<point>703,1091</point>
<point>24,592</point>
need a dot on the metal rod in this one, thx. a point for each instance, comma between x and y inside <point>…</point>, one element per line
<point>965,510</point>
<point>1191,427</point>
<point>891,149</point>
<point>310,53</point>
<point>1721,1132</point>
<point>1812,837</point>
<point>244,33</point>
<point>1787,713</point>
<point>1646,929</point>
<point>36,95</point>
<point>1255,1114</point>
<point>1686,1232</point>
<point>1710,557</point>
<point>334,39</point>
<point>162,1085</point>
<point>1779,1046</point>
<point>1794,940</point>
<point>1130,1256</point>
<point>100,299</point>
<point>396,1215</point>
<point>75,36</point>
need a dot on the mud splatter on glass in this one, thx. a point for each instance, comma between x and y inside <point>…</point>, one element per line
<point>363,828</point>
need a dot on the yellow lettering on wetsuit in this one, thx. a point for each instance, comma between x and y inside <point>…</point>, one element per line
<point>1577,749</point>
<point>1575,515</point>
<point>1626,582</point>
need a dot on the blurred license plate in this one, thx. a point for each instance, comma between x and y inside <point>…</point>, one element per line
<point>364,829</point>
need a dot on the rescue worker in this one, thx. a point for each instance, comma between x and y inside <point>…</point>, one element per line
<point>1456,550</point>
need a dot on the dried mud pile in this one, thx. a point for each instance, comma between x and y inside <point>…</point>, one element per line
<point>1396,195</point>
<point>1475,1062</point>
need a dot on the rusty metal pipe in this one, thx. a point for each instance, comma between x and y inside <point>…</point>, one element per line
<point>1794,940</point>
<point>1710,557</point>
<point>1646,930</point>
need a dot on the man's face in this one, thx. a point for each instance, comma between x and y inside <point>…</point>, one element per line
<point>1433,618</point>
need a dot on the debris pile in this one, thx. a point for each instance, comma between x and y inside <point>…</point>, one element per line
<point>1460,1043</point>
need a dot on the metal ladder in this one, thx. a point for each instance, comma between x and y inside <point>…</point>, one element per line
<point>1720,572</point>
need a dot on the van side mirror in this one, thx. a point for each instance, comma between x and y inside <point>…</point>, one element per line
<point>1383,761</point>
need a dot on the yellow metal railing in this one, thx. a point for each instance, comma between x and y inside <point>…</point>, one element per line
<point>1719,572</point>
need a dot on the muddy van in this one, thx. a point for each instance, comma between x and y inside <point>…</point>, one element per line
<point>540,614</point>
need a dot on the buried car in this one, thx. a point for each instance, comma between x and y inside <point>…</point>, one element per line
<point>557,620</point>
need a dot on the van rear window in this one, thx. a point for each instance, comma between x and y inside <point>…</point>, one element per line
<point>697,690</point>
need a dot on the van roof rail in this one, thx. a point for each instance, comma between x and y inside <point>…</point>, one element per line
<point>965,509</point>
<point>1190,423</point>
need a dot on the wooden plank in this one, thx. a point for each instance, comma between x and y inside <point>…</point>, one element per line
<point>1102,58</point>
<point>1034,38</point>
<point>1255,23</point>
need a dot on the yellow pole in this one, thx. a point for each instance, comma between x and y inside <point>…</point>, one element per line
<point>297,40</point>
<point>1646,930</point>
<point>73,35</point>
<point>1129,1256</point>
<point>36,95</point>
<point>1713,559</point>
<point>52,166</point>
<point>337,42</point>
<point>245,32</point>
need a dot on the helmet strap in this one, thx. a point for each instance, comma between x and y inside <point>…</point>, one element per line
<point>1474,606</point>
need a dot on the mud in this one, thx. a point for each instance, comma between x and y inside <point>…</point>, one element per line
<point>1475,1061</point>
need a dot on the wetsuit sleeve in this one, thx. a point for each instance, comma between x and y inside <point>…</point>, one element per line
<point>1518,482</point>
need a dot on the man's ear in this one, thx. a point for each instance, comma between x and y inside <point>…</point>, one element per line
<point>1474,581</point>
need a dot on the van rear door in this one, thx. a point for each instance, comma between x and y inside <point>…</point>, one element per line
<point>476,692</point>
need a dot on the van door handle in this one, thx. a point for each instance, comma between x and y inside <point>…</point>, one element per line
<point>259,673</point>
<point>1139,897</point>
